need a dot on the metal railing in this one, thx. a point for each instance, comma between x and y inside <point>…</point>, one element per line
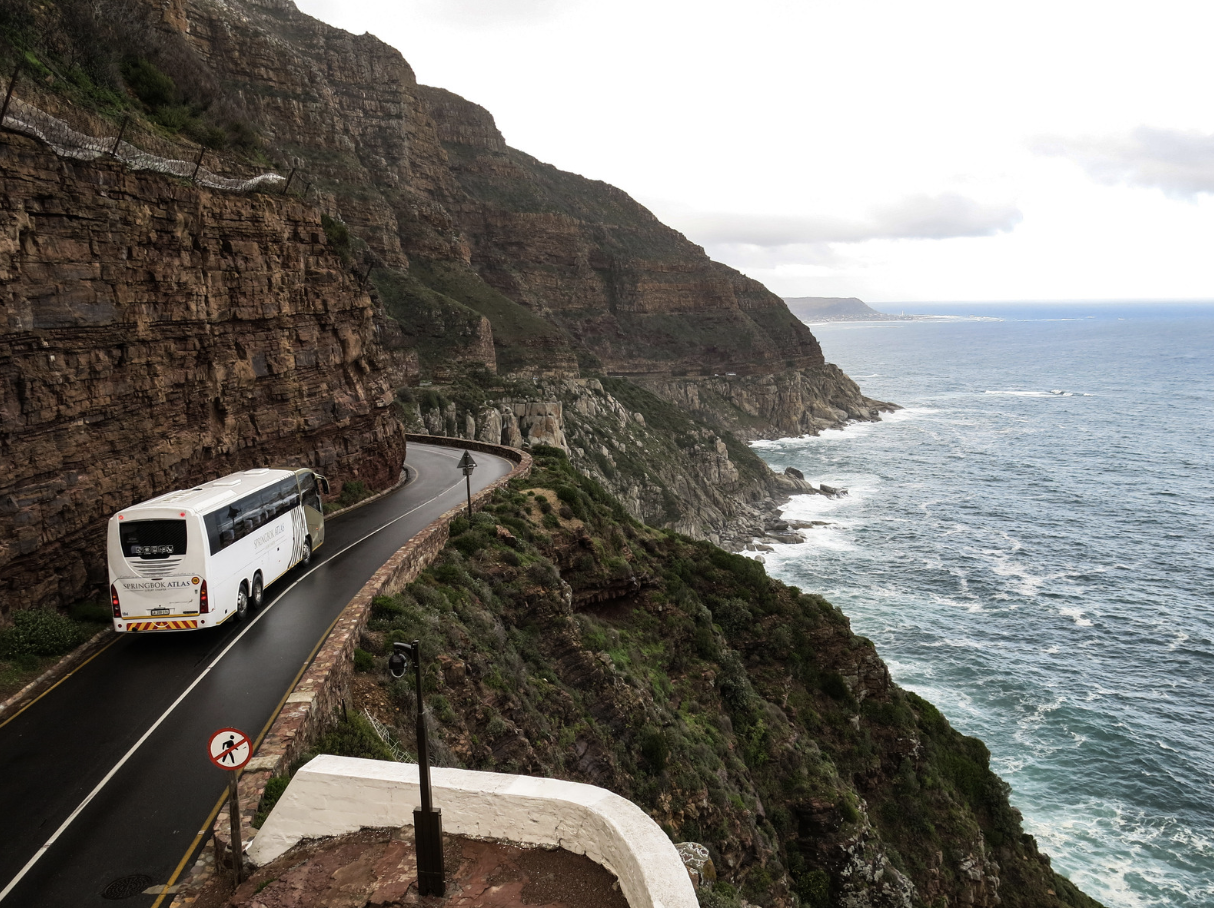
<point>85,140</point>
<point>385,734</point>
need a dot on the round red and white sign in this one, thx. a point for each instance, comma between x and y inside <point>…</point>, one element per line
<point>229,748</point>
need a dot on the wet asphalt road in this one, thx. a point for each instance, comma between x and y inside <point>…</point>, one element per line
<point>153,701</point>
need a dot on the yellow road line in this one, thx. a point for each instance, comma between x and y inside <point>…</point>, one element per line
<point>60,681</point>
<point>256,744</point>
<point>194,844</point>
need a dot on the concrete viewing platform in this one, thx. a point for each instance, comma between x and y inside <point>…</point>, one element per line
<point>342,834</point>
<point>377,867</point>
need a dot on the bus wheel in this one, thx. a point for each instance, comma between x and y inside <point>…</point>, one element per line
<point>306,559</point>
<point>258,592</point>
<point>242,602</point>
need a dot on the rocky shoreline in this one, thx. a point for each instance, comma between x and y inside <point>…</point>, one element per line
<point>768,528</point>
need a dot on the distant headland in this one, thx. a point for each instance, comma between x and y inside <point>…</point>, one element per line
<point>838,309</point>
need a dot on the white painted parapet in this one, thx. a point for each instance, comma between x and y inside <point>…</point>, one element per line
<point>333,796</point>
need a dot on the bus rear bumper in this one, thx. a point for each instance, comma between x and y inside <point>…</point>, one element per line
<point>159,624</point>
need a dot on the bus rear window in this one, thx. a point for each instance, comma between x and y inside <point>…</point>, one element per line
<point>152,538</point>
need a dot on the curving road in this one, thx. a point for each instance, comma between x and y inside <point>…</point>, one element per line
<point>107,776</point>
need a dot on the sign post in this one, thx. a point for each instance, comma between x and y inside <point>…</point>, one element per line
<point>230,749</point>
<point>467,464</point>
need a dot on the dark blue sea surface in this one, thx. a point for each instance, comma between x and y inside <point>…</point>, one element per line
<point>1029,544</point>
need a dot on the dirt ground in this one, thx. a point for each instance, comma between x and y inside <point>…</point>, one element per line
<point>377,868</point>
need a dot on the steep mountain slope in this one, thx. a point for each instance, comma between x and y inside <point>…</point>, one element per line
<point>741,713</point>
<point>566,270</point>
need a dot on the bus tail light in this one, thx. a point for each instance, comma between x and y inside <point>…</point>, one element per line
<point>114,600</point>
<point>204,604</point>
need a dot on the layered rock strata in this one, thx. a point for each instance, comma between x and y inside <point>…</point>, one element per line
<point>568,270</point>
<point>632,292</point>
<point>676,472</point>
<point>781,404</point>
<point>153,335</point>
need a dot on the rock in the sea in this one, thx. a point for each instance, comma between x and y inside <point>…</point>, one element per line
<point>831,491</point>
<point>794,473</point>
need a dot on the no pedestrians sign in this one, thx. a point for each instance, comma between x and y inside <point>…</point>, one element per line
<point>229,748</point>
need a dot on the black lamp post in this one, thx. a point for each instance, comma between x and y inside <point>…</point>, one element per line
<point>467,464</point>
<point>427,821</point>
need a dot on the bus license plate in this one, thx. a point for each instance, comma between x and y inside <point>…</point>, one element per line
<point>159,611</point>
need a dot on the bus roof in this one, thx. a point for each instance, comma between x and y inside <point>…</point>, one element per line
<point>204,498</point>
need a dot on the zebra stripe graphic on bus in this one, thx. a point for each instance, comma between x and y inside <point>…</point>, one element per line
<point>299,536</point>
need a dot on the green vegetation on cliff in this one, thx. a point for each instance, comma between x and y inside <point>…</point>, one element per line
<point>565,638</point>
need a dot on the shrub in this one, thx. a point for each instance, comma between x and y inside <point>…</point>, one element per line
<point>363,660</point>
<point>734,617</point>
<point>338,236</point>
<point>721,895</point>
<point>148,83</point>
<point>269,797</point>
<point>354,737</point>
<point>813,888</point>
<point>655,749</point>
<point>470,543</point>
<point>548,451</point>
<point>387,607</point>
<point>835,687</point>
<point>352,492</point>
<point>451,574</point>
<point>40,632</point>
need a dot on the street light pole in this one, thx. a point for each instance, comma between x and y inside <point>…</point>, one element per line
<point>427,821</point>
<point>467,464</point>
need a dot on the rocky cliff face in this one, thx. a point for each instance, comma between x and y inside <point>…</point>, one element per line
<point>632,292</point>
<point>666,467</point>
<point>774,405</point>
<point>153,335</point>
<point>567,270</point>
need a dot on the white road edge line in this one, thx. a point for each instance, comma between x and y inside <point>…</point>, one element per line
<point>147,734</point>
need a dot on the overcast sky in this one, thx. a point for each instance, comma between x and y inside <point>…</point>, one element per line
<point>893,151</point>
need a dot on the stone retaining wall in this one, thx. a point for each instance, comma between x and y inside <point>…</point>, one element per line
<point>319,697</point>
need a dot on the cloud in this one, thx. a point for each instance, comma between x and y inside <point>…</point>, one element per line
<point>1178,162</point>
<point>918,217</point>
<point>495,13</point>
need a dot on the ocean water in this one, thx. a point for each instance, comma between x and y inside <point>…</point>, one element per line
<point>1029,545</point>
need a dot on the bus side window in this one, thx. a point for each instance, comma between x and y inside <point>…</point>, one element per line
<point>290,495</point>
<point>284,495</point>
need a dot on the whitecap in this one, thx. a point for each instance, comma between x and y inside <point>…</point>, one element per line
<point>1076,615</point>
<point>908,413</point>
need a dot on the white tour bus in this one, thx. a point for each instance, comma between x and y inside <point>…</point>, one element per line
<point>194,558</point>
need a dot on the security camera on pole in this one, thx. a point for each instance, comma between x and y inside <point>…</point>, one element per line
<point>467,464</point>
<point>427,821</point>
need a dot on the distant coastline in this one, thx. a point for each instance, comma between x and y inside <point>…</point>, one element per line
<point>823,309</point>
<point>842,309</point>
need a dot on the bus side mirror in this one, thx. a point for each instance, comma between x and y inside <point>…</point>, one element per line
<point>324,483</point>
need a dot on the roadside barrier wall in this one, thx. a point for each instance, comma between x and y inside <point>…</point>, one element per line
<point>322,692</point>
